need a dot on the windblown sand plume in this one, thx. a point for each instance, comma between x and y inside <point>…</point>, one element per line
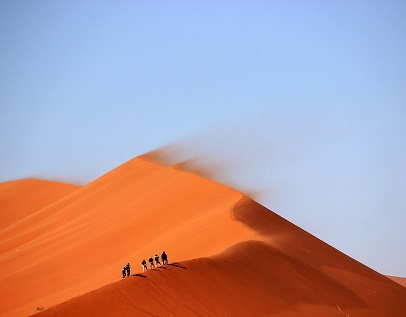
<point>62,254</point>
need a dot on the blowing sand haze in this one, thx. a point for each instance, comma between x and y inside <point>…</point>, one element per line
<point>229,256</point>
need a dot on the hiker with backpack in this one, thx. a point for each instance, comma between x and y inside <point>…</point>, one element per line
<point>151,262</point>
<point>164,258</point>
<point>144,265</point>
<point>127,269</point>
<point>157,260</point>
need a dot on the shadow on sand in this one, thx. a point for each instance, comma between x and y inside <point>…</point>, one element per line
<point>177,265</point>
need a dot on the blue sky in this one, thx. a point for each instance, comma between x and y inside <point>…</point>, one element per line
<point>303,102</point>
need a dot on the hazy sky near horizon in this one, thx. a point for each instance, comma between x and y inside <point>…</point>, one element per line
<point>303,102</point>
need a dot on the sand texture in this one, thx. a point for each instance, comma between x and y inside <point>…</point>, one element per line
<point>62,248</point>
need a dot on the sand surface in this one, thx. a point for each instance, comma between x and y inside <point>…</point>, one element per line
<point>229,256</point>
<point>399,280</point>
<point>18,199</point>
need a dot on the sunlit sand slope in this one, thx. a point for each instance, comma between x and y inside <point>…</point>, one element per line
<point>81,241</point>
<point>20,198</point>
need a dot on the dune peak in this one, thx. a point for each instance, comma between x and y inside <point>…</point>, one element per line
<point>228,255</point>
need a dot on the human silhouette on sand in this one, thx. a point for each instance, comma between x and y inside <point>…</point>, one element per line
<point>127,269</point>
<point>151,262</point>
<point>164,258</point>
<point>144,265</point>
<point>157,260</point>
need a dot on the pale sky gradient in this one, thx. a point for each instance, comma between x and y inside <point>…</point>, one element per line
<point>303,101</point>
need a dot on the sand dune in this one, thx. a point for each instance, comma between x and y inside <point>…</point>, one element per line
<point>250,279</point>
<point>288,273</point>
<point>81,241</point>
<point>20,198</point>
<point>230,256</point>
<point>399,280</point>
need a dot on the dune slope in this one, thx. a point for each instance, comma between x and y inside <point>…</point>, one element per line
<point>399,280</point>
<point>20,198</point>
<point>81,241</point>
<point>229,255</point>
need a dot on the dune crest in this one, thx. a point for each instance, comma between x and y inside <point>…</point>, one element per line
<point>80,242</point>
<point>228,255</point>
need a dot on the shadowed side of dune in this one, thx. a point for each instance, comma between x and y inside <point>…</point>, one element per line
<point>374,289</point>
<point>295,241</point>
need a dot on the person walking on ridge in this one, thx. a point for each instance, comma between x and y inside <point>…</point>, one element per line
<point>151,262</point>
<point>157,260</point>
<point>123,270</point>
<point>164,258</point>
<point>144,265</point>
<point>127,268</point>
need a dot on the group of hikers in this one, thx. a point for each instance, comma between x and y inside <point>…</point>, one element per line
<point>126,268</point>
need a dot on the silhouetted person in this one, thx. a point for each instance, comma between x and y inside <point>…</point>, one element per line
<point>164,258</point>
<point>127,268</point>
<point>151,262</point>
<point>157,260</point>
<point>144,265</point>
<point>123,271</point>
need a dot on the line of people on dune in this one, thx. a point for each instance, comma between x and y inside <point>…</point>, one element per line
<point>127,268</point>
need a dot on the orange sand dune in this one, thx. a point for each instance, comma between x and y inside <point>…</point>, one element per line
<point>399,280</point>
<point>20,198</point>
<point>287,272</point>
<point>81,241</point>
<point>235,257</point>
